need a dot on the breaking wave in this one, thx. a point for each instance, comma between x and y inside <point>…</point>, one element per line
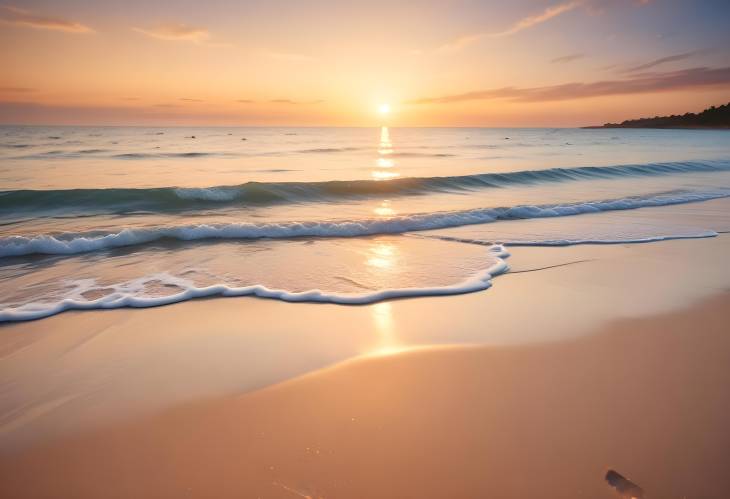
<point>72,243</point>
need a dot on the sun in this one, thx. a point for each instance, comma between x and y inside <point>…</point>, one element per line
<point>384,108</point>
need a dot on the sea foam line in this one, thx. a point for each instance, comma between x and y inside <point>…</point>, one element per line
<point>68,244</point>
<point>478,282</point>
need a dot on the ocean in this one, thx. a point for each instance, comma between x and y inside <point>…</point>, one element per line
<point>109,217</point>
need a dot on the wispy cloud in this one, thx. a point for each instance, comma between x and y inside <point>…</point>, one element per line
<point>664,60</point>
<point>524,23</point>
<point>22,17</point>
<point>18,90</point>
<point>460,43</point>
<point>567,58</point>
<point>245,101</point>
<point>176,32</point>
<point>295,102</point>
<point>188,99</point>
<point>534,20</point>
<point>645,83</point>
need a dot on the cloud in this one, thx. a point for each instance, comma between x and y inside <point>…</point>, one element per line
<point>664,60</point>
<point>18,90</point>
<point>166,105</point>
<point>187,99</point>
<point>534,20</point>
<point>524,23</point>
<point>294,102</point>
<point>245,101</point>
<point>460,43</point>
<point>567,58</point>
<point>26,18</point>
<point>176,32</point>
<point>643,83</point>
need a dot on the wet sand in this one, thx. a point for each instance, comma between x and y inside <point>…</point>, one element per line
<point>645,394</point>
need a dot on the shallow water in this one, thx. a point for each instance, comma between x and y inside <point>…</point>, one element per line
<point>124,216</point>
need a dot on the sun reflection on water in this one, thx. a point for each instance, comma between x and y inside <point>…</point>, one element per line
<point>385,163</point>
<point>385,148</point>
<point>382,255</point>
<point>384,209</point>
<point>383,175</point>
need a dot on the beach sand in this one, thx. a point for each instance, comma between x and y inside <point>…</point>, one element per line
<point>621,361</point>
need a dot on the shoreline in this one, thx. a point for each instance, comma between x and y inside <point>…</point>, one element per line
<point>597,127</point>
<point>81,370</point>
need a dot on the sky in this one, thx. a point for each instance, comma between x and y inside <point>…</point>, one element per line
<point>334,63</point>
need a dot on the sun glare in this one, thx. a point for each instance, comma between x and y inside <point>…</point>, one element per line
<point>384,108</point>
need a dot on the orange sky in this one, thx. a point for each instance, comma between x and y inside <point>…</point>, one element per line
<point>455,63</point>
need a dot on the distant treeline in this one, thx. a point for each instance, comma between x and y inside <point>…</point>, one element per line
<point>713,117</point>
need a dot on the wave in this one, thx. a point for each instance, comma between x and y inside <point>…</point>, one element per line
<point>72,243</point>
<point>131,294</point>
<point>163,199</point>
<point>328,150</point>
<point>160,155</point>
<point>61,154</point>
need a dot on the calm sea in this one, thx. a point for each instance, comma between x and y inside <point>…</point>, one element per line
<point>124,216</point>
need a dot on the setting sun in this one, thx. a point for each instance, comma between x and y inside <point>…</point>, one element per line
<point>384,108</point>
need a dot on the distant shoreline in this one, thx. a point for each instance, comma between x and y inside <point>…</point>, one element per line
<point>678,127</point>
<point>712,118</point>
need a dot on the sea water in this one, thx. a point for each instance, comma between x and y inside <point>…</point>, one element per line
<point>108,217</point>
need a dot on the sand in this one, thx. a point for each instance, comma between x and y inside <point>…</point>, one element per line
<point>647,397</point>
<point>557,379</point>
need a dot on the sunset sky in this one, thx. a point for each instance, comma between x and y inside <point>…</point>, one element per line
<point>437,63</point>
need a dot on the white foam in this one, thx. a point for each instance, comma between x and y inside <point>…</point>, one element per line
<point>81,243</point>
<point>132,293</point>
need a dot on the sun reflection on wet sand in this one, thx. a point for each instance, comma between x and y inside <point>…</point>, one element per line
<point>387,343</point>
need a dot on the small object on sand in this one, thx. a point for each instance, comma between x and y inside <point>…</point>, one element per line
<point>244,138</point>
<point>506,138</point>
<point>624,486</point>
<point>192,137</point>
